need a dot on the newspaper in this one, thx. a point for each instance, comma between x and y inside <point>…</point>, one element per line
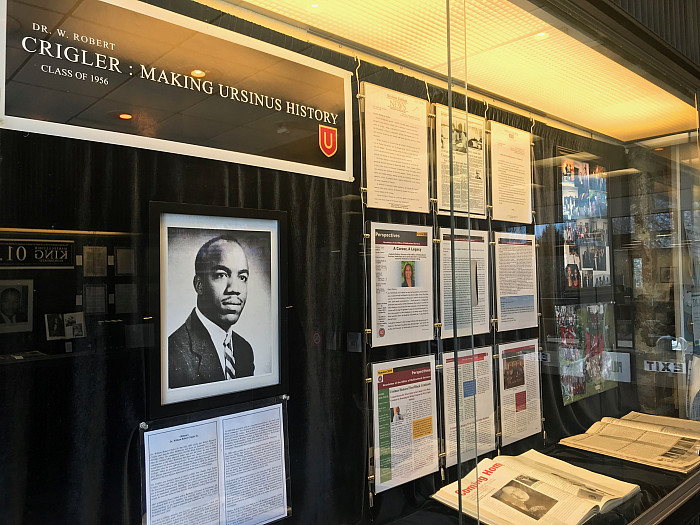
<point>657,441</point>
<point>534,488</point>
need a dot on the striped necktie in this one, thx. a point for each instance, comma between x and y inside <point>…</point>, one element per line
<point>229,360</point>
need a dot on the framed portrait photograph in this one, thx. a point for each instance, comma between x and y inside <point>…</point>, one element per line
<point>16,306</point>
<point>221,281</point>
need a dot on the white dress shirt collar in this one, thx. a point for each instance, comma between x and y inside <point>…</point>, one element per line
<point>217,335</point>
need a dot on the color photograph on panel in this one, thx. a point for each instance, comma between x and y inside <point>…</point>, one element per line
<point>586,333</point>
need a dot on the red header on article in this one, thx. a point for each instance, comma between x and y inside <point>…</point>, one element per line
<point>403,377</point>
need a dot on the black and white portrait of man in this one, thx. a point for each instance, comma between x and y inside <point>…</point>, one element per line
<point>16,306</point>
<point>220,316</point>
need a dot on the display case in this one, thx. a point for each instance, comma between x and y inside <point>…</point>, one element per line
<point>347,263</point>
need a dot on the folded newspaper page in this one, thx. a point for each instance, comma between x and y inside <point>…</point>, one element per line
<point>534,489</point>
<point>663,424</point>
<point>604,491</point>
<point>657,441</point>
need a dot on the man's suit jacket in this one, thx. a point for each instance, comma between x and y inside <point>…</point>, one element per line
<point>193,360</point>
<point>19,318</point>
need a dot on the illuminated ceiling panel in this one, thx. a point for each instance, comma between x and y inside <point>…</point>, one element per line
<point>511,53</point>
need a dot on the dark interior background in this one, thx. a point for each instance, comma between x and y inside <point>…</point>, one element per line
<point>69,425</point>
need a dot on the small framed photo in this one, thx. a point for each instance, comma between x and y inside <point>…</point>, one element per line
<point>94,261</point>
<point>95,299</point>
<point>124,261</point>
<point>65,326</point>
<point>16,306</point>
<point>220,276</point>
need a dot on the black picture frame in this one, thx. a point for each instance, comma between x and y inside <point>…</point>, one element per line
<point>177,232</point>
<point>20,294</point>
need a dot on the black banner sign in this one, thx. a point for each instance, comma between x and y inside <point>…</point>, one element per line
<point>138,75</point>
<point>36,254</point>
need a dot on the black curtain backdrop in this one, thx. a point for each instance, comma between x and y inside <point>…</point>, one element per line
<point>69,426</point>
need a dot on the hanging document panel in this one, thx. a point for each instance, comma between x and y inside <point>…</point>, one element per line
<point>405,420</point>
<point>402,284</point>
<point>471,280</point>
<point>396,149</point>
<point>468,162</point>
<point>516,281</point>
<point>519,383</point>
<point>511,174</point>
<point>476,414</point>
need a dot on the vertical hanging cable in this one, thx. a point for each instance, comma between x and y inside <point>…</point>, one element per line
<point>365,308</point>
<point>473,279</point>
<point>452,266</point>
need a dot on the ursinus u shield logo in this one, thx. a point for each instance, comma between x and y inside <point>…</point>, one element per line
<point>327,140</point>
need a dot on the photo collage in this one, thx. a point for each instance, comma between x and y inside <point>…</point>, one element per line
<point>585,333</point>
<point>585,226</point>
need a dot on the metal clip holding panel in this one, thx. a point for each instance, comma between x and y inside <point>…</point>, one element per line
<point>368,380</point>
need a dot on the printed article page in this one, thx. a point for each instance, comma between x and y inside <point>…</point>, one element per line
<point>657,441</point>
<point>224,471</point>
<point>468,162</point>
<point>507,497</point>
<point>604,491</point>
<point>519,380</point>
<point>516,281</point>
<point>477,426</point>
<point>511,174</point>
<point>405,420</point>
<point>471,279</point>
<point>183,482</point>
<point>254,470</point>
<point>402,284</point>
<point>396,150</point>
<point>534,488</point>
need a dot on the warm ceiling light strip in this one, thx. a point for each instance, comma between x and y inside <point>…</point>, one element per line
<point>68,232</point>
<point>510,52</point>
